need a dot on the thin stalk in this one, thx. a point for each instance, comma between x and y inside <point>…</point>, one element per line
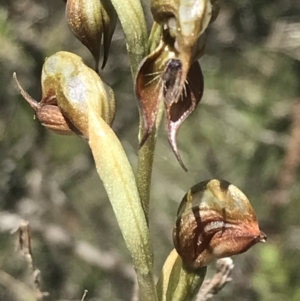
<point>145,162</point>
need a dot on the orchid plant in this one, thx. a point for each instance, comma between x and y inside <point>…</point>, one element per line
<point>215,219</point>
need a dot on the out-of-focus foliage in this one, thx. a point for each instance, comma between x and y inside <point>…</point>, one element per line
<point>246,130</point>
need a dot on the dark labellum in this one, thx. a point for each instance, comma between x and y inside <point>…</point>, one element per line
<point>188,94</point>
<point>171,79</point>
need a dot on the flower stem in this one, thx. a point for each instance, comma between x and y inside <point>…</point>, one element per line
<point>145,162</point>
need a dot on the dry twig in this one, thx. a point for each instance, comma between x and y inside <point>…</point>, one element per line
<point>25,247</point>
<point>135,291</point>
<point>212,286</point>
<point>108,261</point>
<point>84,295</point>
<point>17,288</point>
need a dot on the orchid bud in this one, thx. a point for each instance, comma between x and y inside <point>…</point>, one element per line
<point>89,20</point>
<point>69,88</point>
<point>215,220</point>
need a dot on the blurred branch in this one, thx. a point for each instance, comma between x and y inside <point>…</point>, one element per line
<point>268,137</point>
<point>19,290</point>
<point>212,286</point>
<point>56,236</point>
<point>84,295</point>
<point>291,162</point>
<point>25,246</point>
<point>107,261</point>
<point>285,37</point>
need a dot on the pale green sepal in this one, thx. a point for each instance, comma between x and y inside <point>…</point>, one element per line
<point>154,37</point>
<point>176,282</point>
<point>189,283</point>
<point>118,179</point>
<point>164,279</point>
<point>133,22</point>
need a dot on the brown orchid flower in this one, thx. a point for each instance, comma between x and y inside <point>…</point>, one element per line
<point>171,73</point>
<point>222,224</point>
<point>92,21</point>
<point>161,78</point>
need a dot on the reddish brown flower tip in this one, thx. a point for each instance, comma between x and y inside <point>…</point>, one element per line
<point>222,224</point>
<point>48,113</point>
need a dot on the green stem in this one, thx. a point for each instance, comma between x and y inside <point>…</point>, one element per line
<point>145,162</point>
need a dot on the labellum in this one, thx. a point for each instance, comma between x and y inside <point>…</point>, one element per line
<point>178,111</point>
<point>69,88</point>
<point>222,224</point>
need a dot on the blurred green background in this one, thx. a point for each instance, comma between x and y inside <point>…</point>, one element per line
<point>246,130</point>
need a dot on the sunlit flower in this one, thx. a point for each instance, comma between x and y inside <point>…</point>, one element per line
<point>215,220</point>
<point>171,73</point>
